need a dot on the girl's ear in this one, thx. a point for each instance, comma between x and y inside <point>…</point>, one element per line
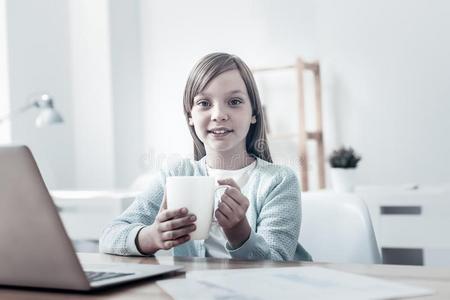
<point>191,123</point>
<point>253,120</point>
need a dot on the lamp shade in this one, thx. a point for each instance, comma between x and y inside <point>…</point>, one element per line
<point>48,116</point>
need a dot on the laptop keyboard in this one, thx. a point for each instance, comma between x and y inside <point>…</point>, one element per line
<point>96,276</point>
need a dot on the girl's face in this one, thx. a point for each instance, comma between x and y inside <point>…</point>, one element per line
<point>221,115</point>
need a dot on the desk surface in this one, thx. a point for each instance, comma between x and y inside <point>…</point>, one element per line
<point>434,278</point>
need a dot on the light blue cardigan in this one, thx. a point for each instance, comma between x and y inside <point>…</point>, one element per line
<point>274,214</point>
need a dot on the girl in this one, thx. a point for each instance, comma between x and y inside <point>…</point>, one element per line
<point>258,215</point>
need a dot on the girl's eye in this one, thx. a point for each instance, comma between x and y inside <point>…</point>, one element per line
<point>203,103</point>
<point>235,101</point>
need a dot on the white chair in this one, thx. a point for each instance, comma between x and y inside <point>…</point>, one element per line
<point>337,228</point>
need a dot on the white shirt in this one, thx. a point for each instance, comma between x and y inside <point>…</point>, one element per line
<point>215,243</point>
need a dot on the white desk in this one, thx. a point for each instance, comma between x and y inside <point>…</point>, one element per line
<point>427,277</point>
<point>86,213</point>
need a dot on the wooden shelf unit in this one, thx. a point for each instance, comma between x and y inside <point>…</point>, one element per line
<point>301,67</point>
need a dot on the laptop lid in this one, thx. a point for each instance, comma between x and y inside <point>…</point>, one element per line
<point>34,247</point>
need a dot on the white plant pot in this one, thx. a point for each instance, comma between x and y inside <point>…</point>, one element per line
<point>343,180</point>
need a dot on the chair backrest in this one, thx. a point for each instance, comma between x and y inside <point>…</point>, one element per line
<point>337,228</point>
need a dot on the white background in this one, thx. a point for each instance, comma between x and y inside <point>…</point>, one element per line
<point>117,70</point>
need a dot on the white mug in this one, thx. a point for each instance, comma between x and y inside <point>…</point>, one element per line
<point>196,193</point>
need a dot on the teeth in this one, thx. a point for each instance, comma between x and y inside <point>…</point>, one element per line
<point>219,131</point>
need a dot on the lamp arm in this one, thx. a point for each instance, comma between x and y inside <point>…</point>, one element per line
<point>16,111</point>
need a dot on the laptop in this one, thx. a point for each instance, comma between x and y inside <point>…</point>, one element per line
<point>35,250</point>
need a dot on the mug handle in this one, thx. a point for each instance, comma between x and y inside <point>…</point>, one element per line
<point>218,187</point>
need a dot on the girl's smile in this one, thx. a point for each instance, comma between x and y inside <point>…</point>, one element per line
<point>220,132</point>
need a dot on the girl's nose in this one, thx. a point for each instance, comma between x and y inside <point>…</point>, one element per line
<point>219,114</point>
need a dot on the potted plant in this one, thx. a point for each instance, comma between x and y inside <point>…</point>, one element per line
<point>343,163</point>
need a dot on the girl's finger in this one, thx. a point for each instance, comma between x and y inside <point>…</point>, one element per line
<point>169,244</point>
<point>225,209</point>
<point>236,195</point>
<point>222,219</point>
<point>175,234</point>
<point>177,223</point>
<point>172,213</point>
<point>230,182</point>
<point>232,204</point>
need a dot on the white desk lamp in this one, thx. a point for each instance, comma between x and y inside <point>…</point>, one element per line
<point>47,116</point>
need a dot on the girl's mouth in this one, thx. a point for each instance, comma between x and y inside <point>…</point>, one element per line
<point>220,132</point>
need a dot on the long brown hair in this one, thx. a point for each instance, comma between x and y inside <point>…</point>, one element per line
<point>209,67</point>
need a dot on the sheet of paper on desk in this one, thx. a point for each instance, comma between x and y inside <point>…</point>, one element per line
<point>285,283</point>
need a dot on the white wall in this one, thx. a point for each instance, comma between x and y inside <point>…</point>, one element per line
<point>175,34</point>
<point>38,61</point>
<point>5,132</point>
<point>386,69</point>
<point>92,93</point>
<point>384,64</point>
<point>126,74</point>
<point>87,55</point>
<point>106,80</point>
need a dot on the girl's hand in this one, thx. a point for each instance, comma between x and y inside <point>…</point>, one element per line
<point>170,228</point>
<point>230,213</point>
